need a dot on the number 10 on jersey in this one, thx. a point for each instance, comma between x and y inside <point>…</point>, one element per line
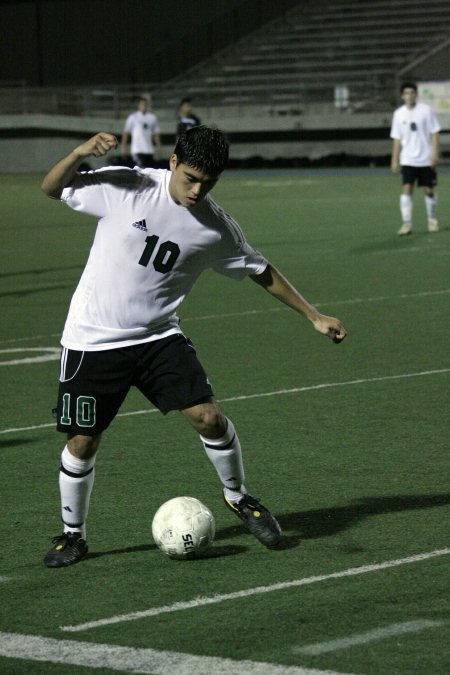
<point>166,254</point>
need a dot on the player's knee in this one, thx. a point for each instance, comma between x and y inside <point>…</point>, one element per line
<point>214,425</point>
<point>208,421</point>
<point>83,447</point>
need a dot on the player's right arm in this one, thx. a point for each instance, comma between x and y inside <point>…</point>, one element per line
<point>395,157</point>
<point>61,175</point>
<point>125,141</point>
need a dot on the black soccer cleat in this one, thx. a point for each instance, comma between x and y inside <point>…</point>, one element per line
<point>257,519</point>
<point>69,548</point>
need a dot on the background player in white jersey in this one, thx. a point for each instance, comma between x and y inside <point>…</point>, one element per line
<point>142,127</point>
<point>415,152</point>
<point>158,230</point>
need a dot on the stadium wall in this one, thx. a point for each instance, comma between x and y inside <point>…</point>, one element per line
<point>35,142</point>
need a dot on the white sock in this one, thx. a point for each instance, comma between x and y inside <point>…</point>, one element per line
<point>76,480</point>
<point>406,207</point>
<point>430,205</point>
<point>225,454</point>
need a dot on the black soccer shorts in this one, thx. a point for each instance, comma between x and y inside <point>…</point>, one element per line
<point>93,385</point>
<point>425,176</point>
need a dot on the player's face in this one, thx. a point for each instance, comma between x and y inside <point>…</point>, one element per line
<point>409,97</point>
<point>188,186</point>
<point>186,109</point>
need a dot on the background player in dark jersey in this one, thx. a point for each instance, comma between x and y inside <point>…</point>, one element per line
<point>186,118</point>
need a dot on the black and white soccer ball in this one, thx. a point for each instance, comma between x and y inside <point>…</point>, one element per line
<point>183,528</point>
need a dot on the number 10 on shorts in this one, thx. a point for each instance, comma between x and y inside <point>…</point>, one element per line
<point>85,411</point>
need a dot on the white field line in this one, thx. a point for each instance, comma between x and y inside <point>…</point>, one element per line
<point>27,339</point>
<point>134,660</point>
<point>351,301</point>
<point>53,354</point>
<point>245,397</point>
<point>370,636</point>
<point>215,599</point>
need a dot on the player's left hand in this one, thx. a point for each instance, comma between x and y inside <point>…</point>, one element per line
<point>328,325</point>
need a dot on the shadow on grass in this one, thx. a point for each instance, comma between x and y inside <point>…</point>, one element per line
<point>395,243</point>
<point>213,552</point>
<point>44,270</point>
<point>33,290</point>
<point>301,525</point>
<point>16,442</point>
<point>120,551</point>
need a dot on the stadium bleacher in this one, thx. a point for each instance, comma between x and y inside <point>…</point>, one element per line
<point>297,59</point>
<point>315,46</point>
<point>321,80</point>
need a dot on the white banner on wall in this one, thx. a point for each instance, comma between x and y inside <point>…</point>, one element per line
<point>437,95</point>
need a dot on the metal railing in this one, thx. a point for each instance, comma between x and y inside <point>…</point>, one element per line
<point>115,102</point>
<point>109,101</point>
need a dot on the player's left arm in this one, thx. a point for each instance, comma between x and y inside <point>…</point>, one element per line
<point>277,285</point>
<point>434,149</point>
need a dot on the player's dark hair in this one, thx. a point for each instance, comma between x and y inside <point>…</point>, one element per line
<point>203,148</point>
<point>408,85</point>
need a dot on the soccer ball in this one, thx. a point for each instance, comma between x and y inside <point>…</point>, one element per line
<point>183,527</point>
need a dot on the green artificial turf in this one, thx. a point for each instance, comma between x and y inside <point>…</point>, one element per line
<point>346,444</point>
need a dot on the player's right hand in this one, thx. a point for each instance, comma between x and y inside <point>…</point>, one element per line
<point>98,146</point>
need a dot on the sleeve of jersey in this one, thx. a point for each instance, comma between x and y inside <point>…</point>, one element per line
<point>395,131</point>
<point>98,192</point>
<point>435,126</point>
<point>237,258</point>
<point>129,124</point>
<point>246,261</point>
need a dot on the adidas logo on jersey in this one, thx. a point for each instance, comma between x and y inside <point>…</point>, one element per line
<point>141,225</point>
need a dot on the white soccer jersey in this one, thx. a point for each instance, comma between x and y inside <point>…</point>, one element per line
<point>414,128</point>
<point>146,256</point>
<point>142,127</point>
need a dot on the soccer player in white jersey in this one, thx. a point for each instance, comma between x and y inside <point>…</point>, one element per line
<point>142,127</point>
<point>158,230</point>
<point>415,152</point>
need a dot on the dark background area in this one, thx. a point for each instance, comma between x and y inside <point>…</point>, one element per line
<point>79,42</point>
